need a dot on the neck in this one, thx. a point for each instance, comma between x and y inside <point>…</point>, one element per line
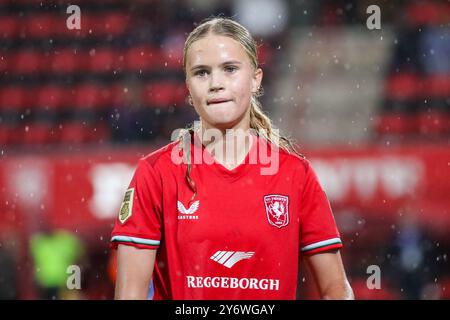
<point>228,146</point>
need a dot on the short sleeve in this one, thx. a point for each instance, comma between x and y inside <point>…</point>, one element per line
<point>318,230</point>
<point>139,220</point>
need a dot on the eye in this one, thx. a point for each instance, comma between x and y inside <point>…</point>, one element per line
<point>230,69</point>
<point>201,73</point>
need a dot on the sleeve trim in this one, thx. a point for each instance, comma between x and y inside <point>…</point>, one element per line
<point>321,244</point>
<point>127,239</point>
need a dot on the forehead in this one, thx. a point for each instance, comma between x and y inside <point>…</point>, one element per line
<point>215,49</point>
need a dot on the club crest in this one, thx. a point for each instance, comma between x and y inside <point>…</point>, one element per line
<point>277,210</point>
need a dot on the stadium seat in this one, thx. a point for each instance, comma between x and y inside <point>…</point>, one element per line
<point>97,133</point>
<point>117,95</point>
<point>66,61</point>
<point>437,86</point>
<point>161,95</point>
<point>41,26</point>
<point>423,13</point>
<point>87,96</point>
<point>180,94</point>
<point>9,26</point>
<point>395,123</point>
<point>143,59</point>
<point>6,134</point>
<point>5,63</point>
<point>433,122</point>
<point>72,132</point>
<point>36,134</point>
<point>102,60</point>
<point>13,98</point>
<point>49,97</point>
<point>404,86</point>
<point>114,24</point>
<point>28,61</point>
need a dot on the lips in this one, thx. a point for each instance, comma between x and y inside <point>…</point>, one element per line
<point>217,101</point>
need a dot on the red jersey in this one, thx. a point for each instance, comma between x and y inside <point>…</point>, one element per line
<point>241,235</point>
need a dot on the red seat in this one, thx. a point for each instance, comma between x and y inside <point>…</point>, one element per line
<point>111,24</point>
<point>180,94</point>
<point>87,96</point>
<point>6,63</point>
<point>103,60</point>
<point>118,95</point>
<point>422,13</point>
<point>157,95</point>
<point>9,26</point>
<point>65,61</point>
<point>36,134</point>
<point>433,122</point>
<point>164,94</point>
<point>114,24</point>
<point>395,123</point>
<point>437,87</point>
<point>143,59</point>
<point>27,61</point>
<point>49,97</point>
<point>41,26</point>
<point>402,86</point>
<point>97,133</point>
<point>72,132</point>
<point>13,98</point>
<point>172,59</point>
<point>6,135</point>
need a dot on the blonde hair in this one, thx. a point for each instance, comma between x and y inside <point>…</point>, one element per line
<point>259,122</point>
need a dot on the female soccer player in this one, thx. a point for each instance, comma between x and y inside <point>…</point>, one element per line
<point>232,225</point>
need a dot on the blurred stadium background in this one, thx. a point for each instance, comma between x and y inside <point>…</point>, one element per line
<point>370,108</point>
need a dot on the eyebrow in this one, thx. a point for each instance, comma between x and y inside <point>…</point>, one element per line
<point>202,66</point>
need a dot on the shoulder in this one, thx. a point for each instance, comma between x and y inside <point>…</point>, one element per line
<point>162,157</point>
<point>292,159</point>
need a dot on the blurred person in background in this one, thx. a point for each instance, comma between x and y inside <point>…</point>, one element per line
<point>53,251</point>
<point>171,245</point>
<point>411,257</point>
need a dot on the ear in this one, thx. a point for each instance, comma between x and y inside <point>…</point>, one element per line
<point>256,80</point>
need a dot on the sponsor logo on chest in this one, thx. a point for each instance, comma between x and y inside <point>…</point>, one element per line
<point>188,213</point>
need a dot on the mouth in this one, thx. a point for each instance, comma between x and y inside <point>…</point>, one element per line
<point>217,101</point>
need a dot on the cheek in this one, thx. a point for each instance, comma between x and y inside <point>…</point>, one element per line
<point>196,90</point>
<point>242,89</point>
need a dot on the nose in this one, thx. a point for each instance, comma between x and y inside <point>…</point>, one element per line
<point>215,83</point>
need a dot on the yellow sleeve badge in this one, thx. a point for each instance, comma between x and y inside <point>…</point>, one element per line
<point>127,205</point>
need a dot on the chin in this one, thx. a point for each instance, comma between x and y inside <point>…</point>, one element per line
<point>221,118</point>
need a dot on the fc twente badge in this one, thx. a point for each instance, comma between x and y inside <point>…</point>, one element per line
<point>277,210</point>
